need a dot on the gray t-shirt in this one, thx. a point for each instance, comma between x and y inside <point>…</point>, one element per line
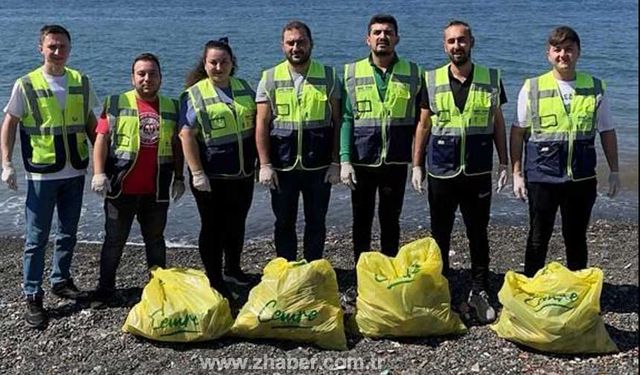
<point>262,96</point>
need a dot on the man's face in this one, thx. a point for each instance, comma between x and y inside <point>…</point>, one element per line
<point>146,79</point>
<point>296,46</point>
<point>55,48</point>
<point>382,39</point>
<point>458,44</point>
<point>564,56</point>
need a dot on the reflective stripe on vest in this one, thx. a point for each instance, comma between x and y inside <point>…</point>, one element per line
<point>301,130</point>
<point>462,142</point>
<point>561,145</point>
<point>227,146</point>
<point>49,135</point>
<point>124,124</point>
<point>383,130</point>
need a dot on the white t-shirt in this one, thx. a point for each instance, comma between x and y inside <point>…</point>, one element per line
<point>18,103</point>
<point>567,90</point>
<point>262,96</point>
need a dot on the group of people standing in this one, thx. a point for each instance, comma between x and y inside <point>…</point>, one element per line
<point>303,130</point>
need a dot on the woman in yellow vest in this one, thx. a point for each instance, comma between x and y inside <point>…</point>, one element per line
<point>217,119</point>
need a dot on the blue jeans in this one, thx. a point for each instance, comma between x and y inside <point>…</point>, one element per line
<point>119,215</point>
<point>284,201</point>
<point>42,197</point>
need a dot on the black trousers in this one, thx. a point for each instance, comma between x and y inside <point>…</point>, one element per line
<point>284,202</point>
<point>575,200</point>
<point>388,181</point>
<point>119,215</point>
<point>473,195</point>
<point>223,213</point>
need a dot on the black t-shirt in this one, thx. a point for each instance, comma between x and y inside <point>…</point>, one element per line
<point>460,91</point>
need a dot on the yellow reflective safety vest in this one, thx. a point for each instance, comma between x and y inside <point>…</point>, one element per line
<point>124,125</point>
<point>462,142</point>
<point>49,136</point>
<point>561,145</point>
<point>301,132</point>
<point>227,132</point>
<point>382,130</point>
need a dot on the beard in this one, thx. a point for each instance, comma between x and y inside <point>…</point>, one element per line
<point>301,59</point>
<point>459,61</point>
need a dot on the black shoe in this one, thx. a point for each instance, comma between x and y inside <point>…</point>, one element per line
<point>236,276</point>
<point>66,289</point>
<point>101,298</point>
<point>479,301</point>
<point>220,287</point>
<point>36,315</point>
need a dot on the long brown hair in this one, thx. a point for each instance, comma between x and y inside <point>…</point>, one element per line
<point>198,73</point>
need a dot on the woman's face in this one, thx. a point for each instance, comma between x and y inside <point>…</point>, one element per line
<point>218,65</point>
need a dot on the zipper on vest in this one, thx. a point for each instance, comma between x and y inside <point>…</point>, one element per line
<point>239,135</point>
<point>300,125</point>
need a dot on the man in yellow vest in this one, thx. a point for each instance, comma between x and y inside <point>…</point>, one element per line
<point>53,108</point>
<point>135,159</point>
<point>297,129</point>
<point>559,114</point>
<point>462,122</point>
<point>380,112</point>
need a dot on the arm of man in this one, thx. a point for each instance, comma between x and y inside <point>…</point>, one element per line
<point>500,136</point>
<point>421,138</point>
<point>92,123</point>
<point>336,117</point>
<point>263,119</point>
<point>8,136</point>
<point>609,141</point>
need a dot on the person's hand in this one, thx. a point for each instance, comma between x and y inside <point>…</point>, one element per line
<point>417,177</point>
<point>519,186</point>
<point>614,184</point>
<point>503,177</point>
<point>333,174</point>
<point>100,184</point>
<point>177,189</point>
<point>348,175</point>
<point>9,175</point>
<point>268,177</point>
<point>200,180</point>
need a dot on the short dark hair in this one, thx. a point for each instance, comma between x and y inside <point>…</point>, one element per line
<point>146,57</point>
<point>298,25</point>
<point>383,18</point>
<point>53,29</point>
<point>562,34</point>
<point>466,26</point>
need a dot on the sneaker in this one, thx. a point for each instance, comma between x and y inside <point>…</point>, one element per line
<point>349,296</point>
<point>36,315</point>
<point>236,276</point>
<point>100,298</point>
<point>221,288</point>
<point>66,289</point>
<point>479,301</point>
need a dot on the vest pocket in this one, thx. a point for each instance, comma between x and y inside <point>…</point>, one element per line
<point>548,158</point>
<point>316,147</point>
<point>283,148</point>
<point>367,144</point>
<point>584,158</point>
<point>43,149</point>
<point>479,153</point>
<point>444,154</point>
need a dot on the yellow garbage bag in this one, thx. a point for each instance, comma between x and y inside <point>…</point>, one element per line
<point>294,301</point>
<point>178,305</point>
<point>557,311</point>
<point>406,295</point>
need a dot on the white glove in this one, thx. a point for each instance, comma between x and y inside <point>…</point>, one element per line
<point>519,186</point>
<point>9,175</point>
<point>503,177</point>
<point>614,184</point>
<point>417,177</point>
<point>200,180</point>
<point>268,177</point>
<point>348,175</point>
<point>177,189</point>
<point>100,184</point>
<point>333,174</point>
